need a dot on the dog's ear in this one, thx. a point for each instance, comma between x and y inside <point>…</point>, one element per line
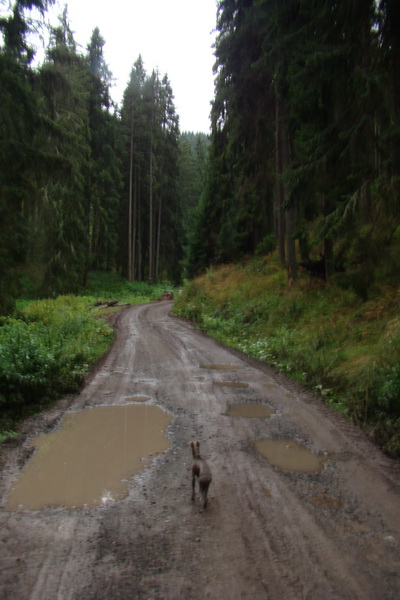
<point>190,444</point>
<point>197,443</point>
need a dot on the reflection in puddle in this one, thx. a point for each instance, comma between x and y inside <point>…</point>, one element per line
<point>88,461</point>
<point>288,455</point>
<point>232,384</point>
<point>219,367</point>
<point>250,410</point>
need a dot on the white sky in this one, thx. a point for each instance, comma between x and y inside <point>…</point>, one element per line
<point>175,36</point>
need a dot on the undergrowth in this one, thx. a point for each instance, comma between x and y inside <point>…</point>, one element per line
<point>48,346</point>
<point>346,350</point>
<point>106,286</point>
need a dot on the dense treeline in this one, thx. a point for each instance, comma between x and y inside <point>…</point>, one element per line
<point>84,184</point>
<point>305,138</point>
<point>304,154</point>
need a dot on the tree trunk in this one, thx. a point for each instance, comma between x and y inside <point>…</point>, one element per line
<point>158,239</point>
<point>290,245</point>
<point>130,207</point>
<point>135,224</point>
<point>328,254</point>
<point>151,213</point>
<point>279,193</point>
<point>286,226</point>
<point>139,240</point>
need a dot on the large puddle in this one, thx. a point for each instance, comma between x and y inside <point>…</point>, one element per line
<point>289,455</point>
<point>89,460</point>
<point>250,410</point>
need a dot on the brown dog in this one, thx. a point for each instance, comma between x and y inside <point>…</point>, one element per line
<point>201,470</point>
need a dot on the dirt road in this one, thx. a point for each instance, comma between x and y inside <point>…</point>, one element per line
<point>268,533</point>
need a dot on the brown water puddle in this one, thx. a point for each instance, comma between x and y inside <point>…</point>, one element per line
<point>328,502</point>
<point>88,461</point>
<point>289,455</point>
<point>138,399</point>
<point>219,367</point>
<point>250,410</point>
<point>232,384</point>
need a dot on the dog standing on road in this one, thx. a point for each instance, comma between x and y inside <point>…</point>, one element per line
<point>201,470</point>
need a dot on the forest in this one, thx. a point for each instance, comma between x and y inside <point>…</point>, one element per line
<point>303,156</point>
<point>289,211</point>
<point>84,184</point>
<point>305,139</point>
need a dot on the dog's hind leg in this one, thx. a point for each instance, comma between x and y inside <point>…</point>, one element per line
<point>204,485</point>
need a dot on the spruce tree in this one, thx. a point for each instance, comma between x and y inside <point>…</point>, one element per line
<point>105,176</point>
<point>20,158</point>
<point>150,218</point>
<point>63,83</point>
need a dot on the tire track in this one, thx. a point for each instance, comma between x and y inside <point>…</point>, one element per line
<point>267,534</point>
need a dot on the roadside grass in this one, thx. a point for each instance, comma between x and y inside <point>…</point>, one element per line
<point>106,286</point>
<point>48,346</point>
<point>344,349</point>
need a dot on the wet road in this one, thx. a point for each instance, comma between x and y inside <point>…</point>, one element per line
<point>269,531</point>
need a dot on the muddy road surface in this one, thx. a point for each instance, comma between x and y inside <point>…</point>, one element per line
<point>301,505</point>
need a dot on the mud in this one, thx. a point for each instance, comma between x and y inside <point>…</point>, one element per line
<point>238,385</point>
<point>220,367</point>
<point>267,533</point>
<point>327,502</point>
<point>250,410</point>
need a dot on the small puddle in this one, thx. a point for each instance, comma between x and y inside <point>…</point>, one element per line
<point>89,460</point>
<point>138,399</point>
<point>232,384</point>
<point>289,455</point>
<point>324,501</point>
<point>218,367</point>
<point>250,410</point>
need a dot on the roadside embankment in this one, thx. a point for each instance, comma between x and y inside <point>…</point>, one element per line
<point>326,337</point>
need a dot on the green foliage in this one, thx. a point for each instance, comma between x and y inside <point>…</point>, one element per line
<point>48,346</point>
<point>345,350</point>
<point>18,162</point>
<point>105,164</point>
<point>68,159</point>
<point>304,142</point>
<point>375,397</point>
<point>150,215</point>
<point>105,285</point>
<point>46,352</point>
<point>267,245</point>
<point>193,168</point>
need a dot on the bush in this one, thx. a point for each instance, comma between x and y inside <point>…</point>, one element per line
<point>47,348</point>
<point>46,352</point>
<point>267,245</point>
<point>104,285</point>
